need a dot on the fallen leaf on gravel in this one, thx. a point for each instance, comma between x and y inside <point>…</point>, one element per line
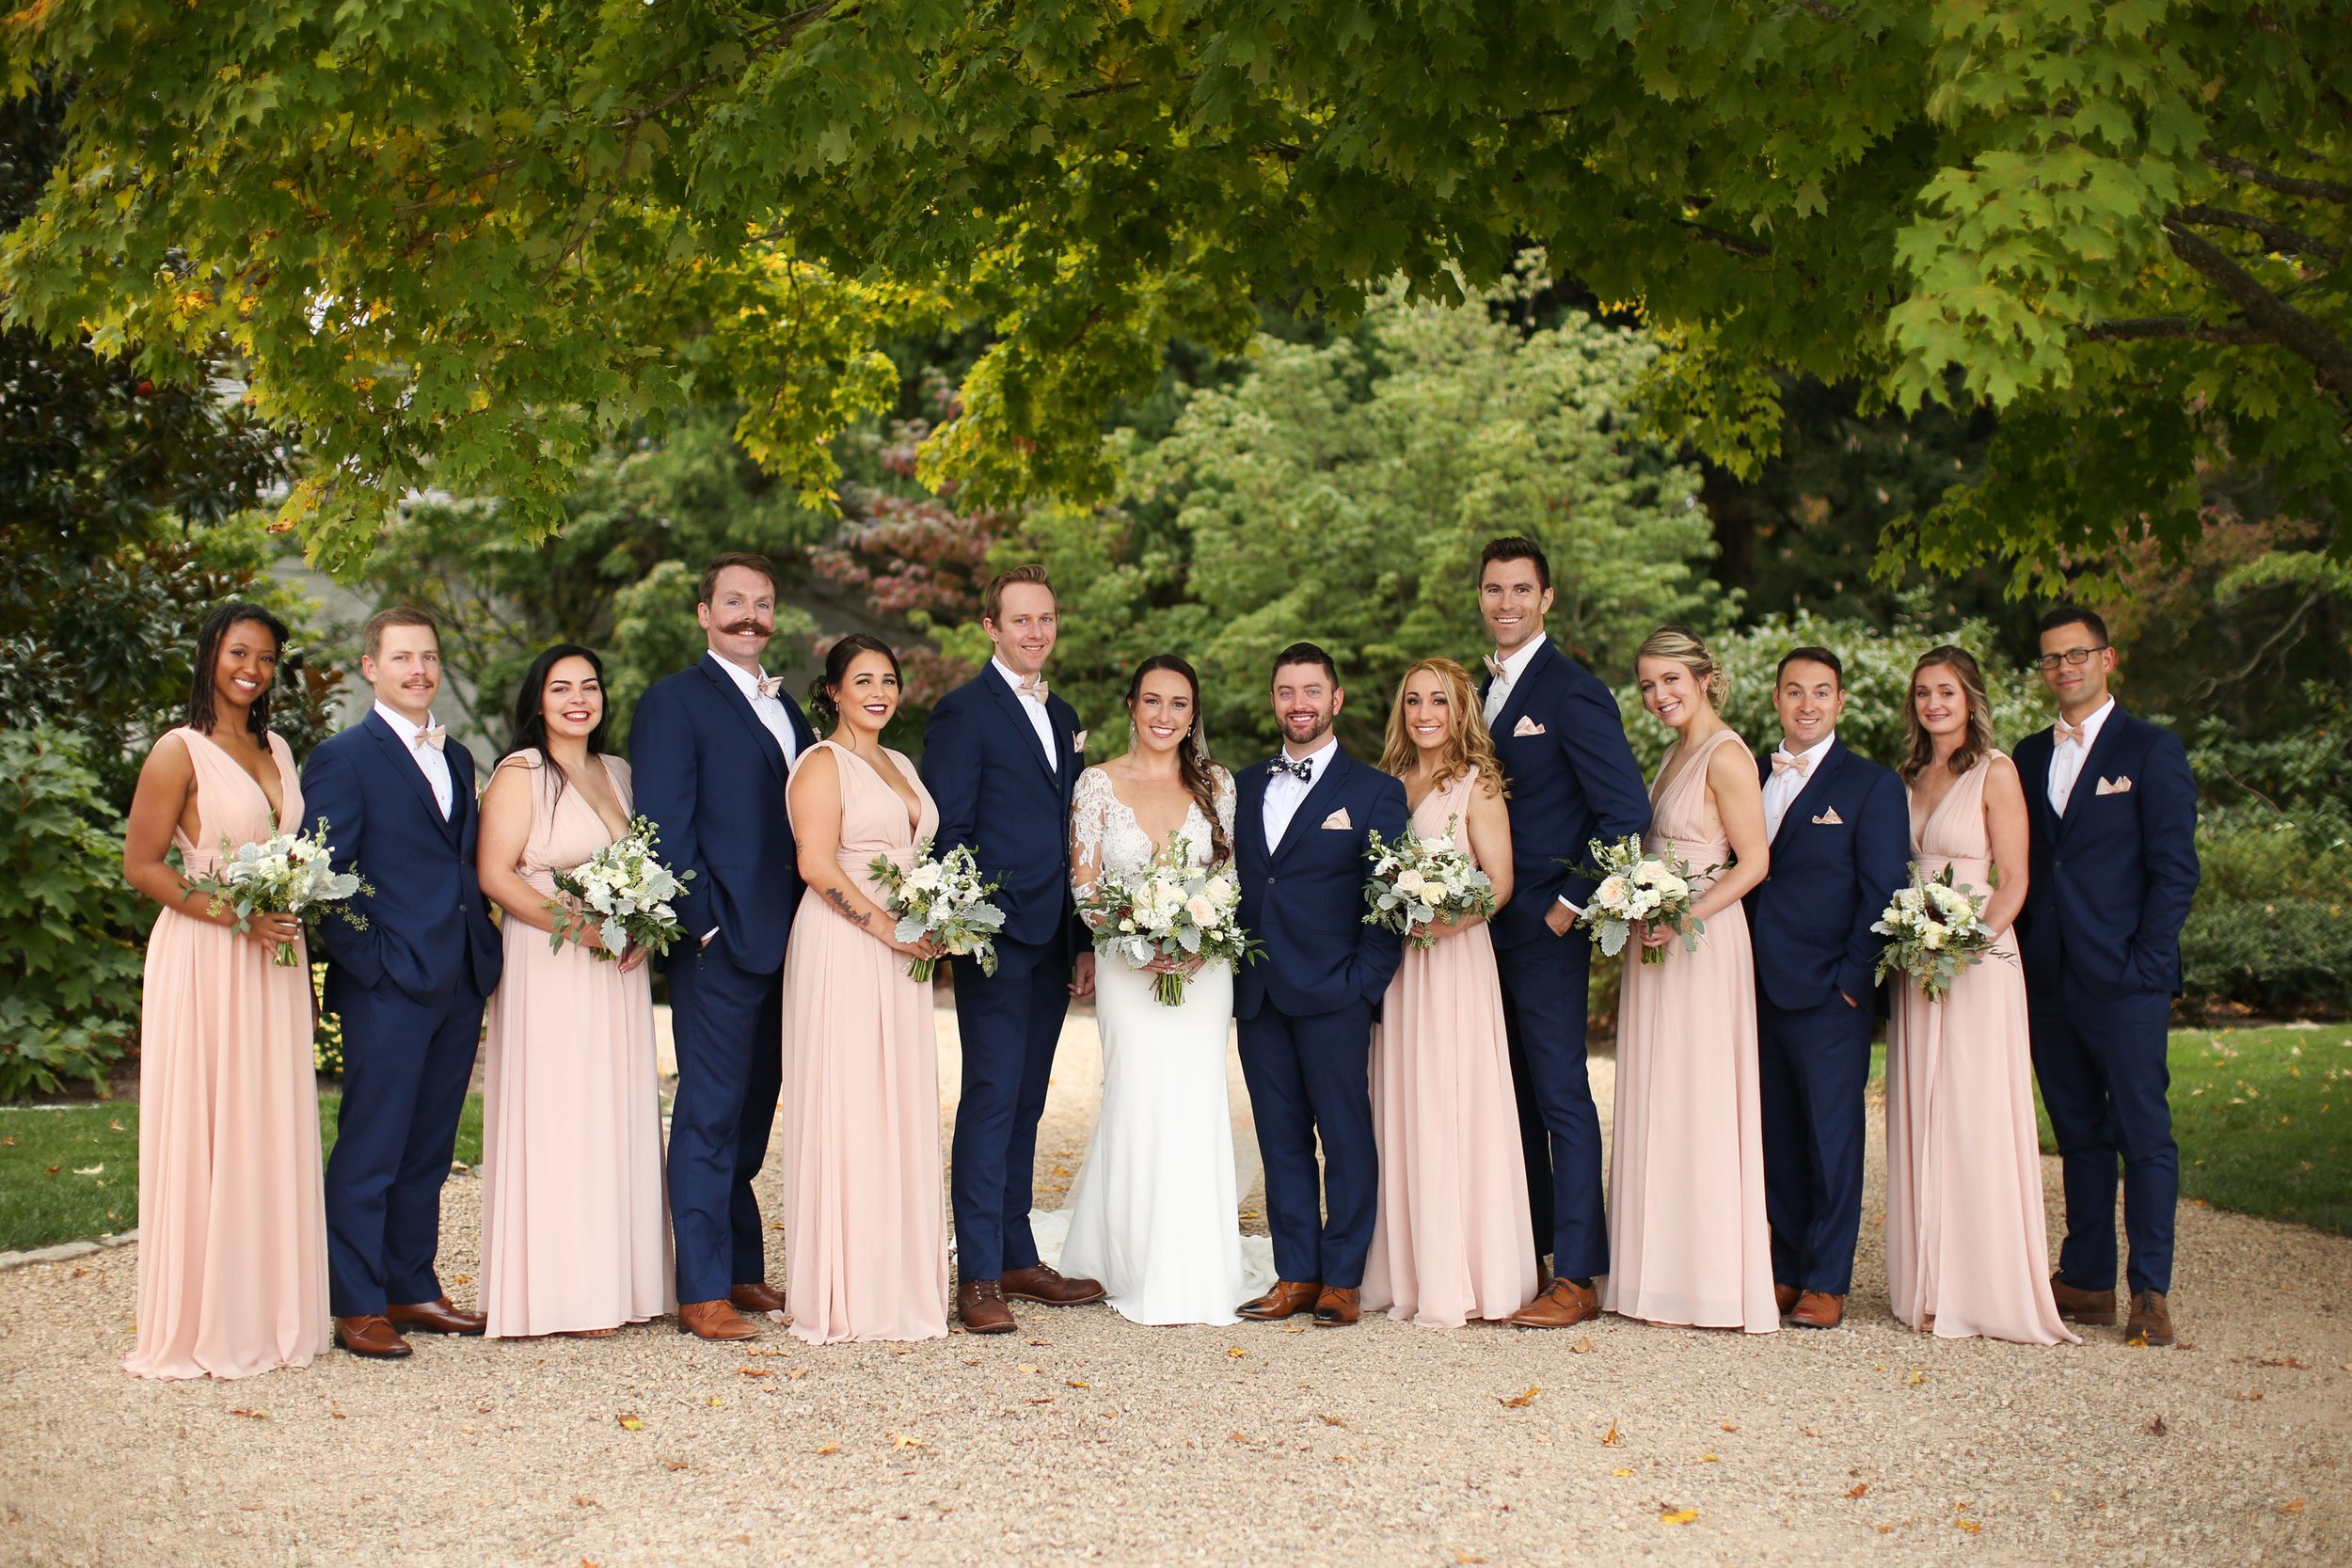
<point>903,1440</point>
<point>1857,1489</point>
<point>756,1371</point>
<point>1680,1516</point>
<point>826,1447</point>
<point>1073,1383</point>
<point>1708,1459</point>
<point>1810,1432</point>
<point>1043,1399</point>
<point>715,1402</point>
<point>1522,1401</point>
<point>2294,1507</point>
<point>578,1501</point>
<point>1031,1370</point>
<point>2156,1427</point>
<point>2251,1394</point>
<point>1916,1378</point>
<point>79,1274</point>
<point>2283,1361</point>
<point>1582,1346</point>
<point>673,1464</point>
<point>1462,1557</point>
<point>1329,1420</point>
<point>461,1279</point>
<point>1061,1170</point>
<point>1620,1472</point>
<point>1041,1341</point>
<point>630,1421</point>
<point>1294,1328</point>
<point>252,1415</point>
<point>1236,1437</point>
<point>1235,1351</point>
<point>1610,1439</point>
<point>796,1373</point>
<point>1968,1525</point>
<point>1731,1426</point>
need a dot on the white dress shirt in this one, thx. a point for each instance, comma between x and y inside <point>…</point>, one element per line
<point>2067,759</point>
<point>1039,719</point>
<point>1286,791</point>
<point>769,709</point>
<point>429,760</point>
<point>1782,789</point>
<point>1499,691</point>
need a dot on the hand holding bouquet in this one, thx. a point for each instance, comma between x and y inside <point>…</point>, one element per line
<point>290,874</point>
<point>942,898</point>
<point>621,894</point>
<point>1935,930</point>
<point>1418,882</point>
<point>1641,889</point>
<point>1169,919</point>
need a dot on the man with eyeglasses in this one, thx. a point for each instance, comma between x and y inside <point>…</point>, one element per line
<point>2113,868</point>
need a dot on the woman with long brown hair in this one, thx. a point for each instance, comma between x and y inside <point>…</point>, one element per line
<point>1453,1241</point>
<point>1967,1248</point>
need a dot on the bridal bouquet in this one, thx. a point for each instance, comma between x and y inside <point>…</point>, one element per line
<point>941,897</point>
<point>1637,887</point>
<point>622,894</point>
<point>286,874</point>
<point>1935,930</point>
<point>1170,910</point>
<point>1417,881</point>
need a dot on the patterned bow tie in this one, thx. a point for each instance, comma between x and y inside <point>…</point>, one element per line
<point>2073,734</point>
<point>1494,668</point>
<point>1800,766</point>
<point>769,686</point>
<point>436,737</point>
<point>1303,769</point>
<point>1034,688</point>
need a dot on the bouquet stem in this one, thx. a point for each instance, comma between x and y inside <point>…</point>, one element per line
<point>1170,990</point>
<point>923,969</point>
<point>1653,954</point>
<point>285,955</point>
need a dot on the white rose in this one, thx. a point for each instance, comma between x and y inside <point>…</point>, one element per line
<point>1611,893</point>
<point>1933,938</point>
<point>925,878</point>
<point>1202,911</point>
<point>1409,880</point>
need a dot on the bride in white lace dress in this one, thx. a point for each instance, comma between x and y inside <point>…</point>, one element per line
<point>1153,1212</point>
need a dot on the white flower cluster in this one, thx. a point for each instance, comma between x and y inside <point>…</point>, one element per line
<point>623,894</point>
<point>945,899</point>
<point>285,874</point>
<point>1417,882</point>
<point>1934,930</point>
<point>1170,910</point>
<point>1637,887</point>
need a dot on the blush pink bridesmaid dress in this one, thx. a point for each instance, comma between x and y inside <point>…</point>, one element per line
<point>575,1216</point>
<point>1688,1240</point>
<point>1453,1241</point>
<point>864,1196</point>
<point>1967,1242</point>
<point>232,1217</point>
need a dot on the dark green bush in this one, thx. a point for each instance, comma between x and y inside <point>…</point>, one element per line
<point>2271,931</point>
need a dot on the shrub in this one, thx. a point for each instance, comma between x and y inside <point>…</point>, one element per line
<point>71,964</point>
<point>2269,932</point>
<point>327,1035</point>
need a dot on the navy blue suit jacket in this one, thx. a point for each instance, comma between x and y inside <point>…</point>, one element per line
<point>1573,779</point>
<point>996,794</point>
<point>2112,879</point>
<point>1305,899</point>
<point>712,778</point>
<point>428,930</point>
<point>1809,919</point>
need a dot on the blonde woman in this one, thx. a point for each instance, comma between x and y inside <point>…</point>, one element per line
<point>1689,1239</point>
<point>1453,1241</point>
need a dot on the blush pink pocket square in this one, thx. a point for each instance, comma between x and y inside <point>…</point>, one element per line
<point>1339,819</point>
<point>1830,818</point>
<point>2115,786</point>
<point>1078,743</point>
<point>1526,727</point>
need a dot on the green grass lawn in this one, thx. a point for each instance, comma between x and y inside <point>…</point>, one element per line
<point>74,1171</point>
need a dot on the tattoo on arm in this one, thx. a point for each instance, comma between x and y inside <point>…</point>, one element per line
<point>849,912</point>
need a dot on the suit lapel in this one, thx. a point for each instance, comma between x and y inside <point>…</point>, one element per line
<point>406,766</point>
<point>1250,811</point>
<point>1524,687</point>
<point>2102,752</point>
<point>733,696</point>
<point>1010,702</point>
<point>1310,812</point>
<point>1831,763</point>
<point>2033,773</point>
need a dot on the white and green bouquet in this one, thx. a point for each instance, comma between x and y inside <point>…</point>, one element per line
<point>943,898</point>
<point>1640,887</point>
<point>285,874</point>
<point>1170,911</point>
<point>1934,930</point>
<point>1417,882</point>
<point>622,894</point>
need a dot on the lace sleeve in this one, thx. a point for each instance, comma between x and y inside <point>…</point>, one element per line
<point>1088,813</point>
<point>1226,798</point>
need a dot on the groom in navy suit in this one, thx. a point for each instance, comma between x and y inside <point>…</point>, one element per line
<point>713,745</point>
<point>410,985</point>
<point>1001,758</point>
<point>2113,818</point>
<point>1573,779</point>
<point>1840,832</point>
<point>1302,822</point>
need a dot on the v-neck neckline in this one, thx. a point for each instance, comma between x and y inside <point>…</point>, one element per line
<point>276,807</point>
<point>914,815</point>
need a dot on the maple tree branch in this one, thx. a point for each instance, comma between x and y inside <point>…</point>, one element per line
<point>2278,236</point>
<point>2141,329</point>
<point>2273,318</point>
<point>2286,185</point>
<point>1732,243</point>
<point>781,32</point>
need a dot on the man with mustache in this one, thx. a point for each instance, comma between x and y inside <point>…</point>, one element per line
<point>410,984</point>
<point>713,745</point>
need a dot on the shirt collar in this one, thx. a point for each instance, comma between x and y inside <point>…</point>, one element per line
<point>399,721</point>
<point>2092,725</point>
<point>1817,750</point>
<point>745,680</point>
<point>1005,672</point>
<point>1516,666</point>
<point>1321,756</point>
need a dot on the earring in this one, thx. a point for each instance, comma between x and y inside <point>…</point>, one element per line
<point>1135,737</point>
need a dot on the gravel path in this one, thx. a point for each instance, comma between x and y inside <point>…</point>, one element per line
<point>1087,1439</point>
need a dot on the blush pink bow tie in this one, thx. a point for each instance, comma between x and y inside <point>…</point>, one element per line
<point>436,737</point>
<point>2072,735</point>
<point>1802,767</point>
<point>1033,687</point>
<point>769,686</point>
<point>1494,666</point>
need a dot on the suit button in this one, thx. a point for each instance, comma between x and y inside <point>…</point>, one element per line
<point>1269,881</point>
<point>2057,865</point>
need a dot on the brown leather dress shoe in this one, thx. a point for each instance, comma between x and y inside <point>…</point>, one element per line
<point>756,1297</point>
<point>1563,1306</point>
<point>370,1335</point>
<point>1339,1306</point>
<point>1818,1309</point>
<point>1288,1298</point>
<point>713,1320</point>
<point>2082,1307</point>
<point>436,1317</point>
<point>1784,1297</point>
<point>2151,1323</point>
<point>1045,1283</point>
<point>980,1303</point>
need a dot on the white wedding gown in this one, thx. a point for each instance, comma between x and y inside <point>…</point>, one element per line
<point>1153,1215</point>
